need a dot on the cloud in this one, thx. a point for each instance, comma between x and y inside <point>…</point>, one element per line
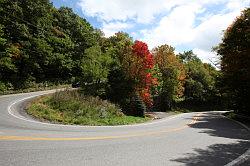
<point>196,25</point>
<point>110,29</point>
<point>206,56</point>
<point>180,27</point>
<point>174,29</point>
<point>142,11</point>
<point>237,4</point>
<point>210,31</point>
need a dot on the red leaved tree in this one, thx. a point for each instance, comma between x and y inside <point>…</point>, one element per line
<point>142,62</point>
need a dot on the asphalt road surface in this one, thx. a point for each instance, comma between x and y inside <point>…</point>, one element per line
<point>186,139</point>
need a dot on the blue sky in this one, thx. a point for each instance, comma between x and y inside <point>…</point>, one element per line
<point>184,24</point>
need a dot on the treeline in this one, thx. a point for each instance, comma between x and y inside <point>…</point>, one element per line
<point>40,44</point>
<point>44,45</point>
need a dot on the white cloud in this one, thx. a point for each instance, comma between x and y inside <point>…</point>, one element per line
<point>110,29</point>
<point>108,11</point>
<point>182,22</point>
<point>210,31</point>
<point>174,29</point>
<point>237,4</point>
<point>142,11</point>
<point>177,28</point>
<point>206,56</point>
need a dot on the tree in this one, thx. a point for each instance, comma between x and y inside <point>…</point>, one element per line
<point>119,83</point>
<point>80,34</point>
<point>173,76</point>
<point>95,65</point>
<point>133,62</point>
<point>6,63</point>
<point>201,79</point>
<point>140,70</point>
<point>95,69</point>
<point>234,52</point>
<point>24,22</point>
<point>41,43</point>
<point>188,56</point>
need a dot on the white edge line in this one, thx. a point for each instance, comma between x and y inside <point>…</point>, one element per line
<point>60,125</point>
<point>238,160</point>
<point>245,156</point>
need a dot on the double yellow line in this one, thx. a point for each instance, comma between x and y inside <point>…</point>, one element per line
<point>26,138</point>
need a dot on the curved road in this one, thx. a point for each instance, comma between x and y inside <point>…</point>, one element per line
<point>187,139</point>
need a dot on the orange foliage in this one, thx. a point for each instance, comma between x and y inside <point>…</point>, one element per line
<point>166,59</point>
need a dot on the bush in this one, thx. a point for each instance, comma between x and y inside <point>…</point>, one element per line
<point>3,87</point>
<point>138,106</point>
<point>119,88</point>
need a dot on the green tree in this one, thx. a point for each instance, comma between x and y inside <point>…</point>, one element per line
<point>95,65</point>
<point>172,75</point>
<point>41,43</point>
<point>234,52</point>
<point>79,31</point>
<point>6,64</point>
<point>119,84</point>
<point>95,68</point>
<point>23,22</point>
<point>200,86</point>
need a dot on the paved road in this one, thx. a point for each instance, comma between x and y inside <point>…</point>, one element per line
<point>186,139</point>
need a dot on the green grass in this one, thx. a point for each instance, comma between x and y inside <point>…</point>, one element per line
<point>70,107</point>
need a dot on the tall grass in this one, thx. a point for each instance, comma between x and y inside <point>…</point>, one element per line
<point>71,107</point>
<point>80,105</point>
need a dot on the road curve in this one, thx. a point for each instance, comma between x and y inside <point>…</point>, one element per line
<point>204,138</point>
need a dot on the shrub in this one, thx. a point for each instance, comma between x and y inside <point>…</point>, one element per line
<point>3,87</point>
<point>138,106</point>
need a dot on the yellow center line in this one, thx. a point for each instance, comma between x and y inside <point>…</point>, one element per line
<point>28,138</point>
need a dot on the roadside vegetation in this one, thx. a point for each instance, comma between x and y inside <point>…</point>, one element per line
<point>71,107</point>
<point>234,53</point>
<point>43,45</point>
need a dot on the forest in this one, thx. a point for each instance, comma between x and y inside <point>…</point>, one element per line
<point>41,45</point>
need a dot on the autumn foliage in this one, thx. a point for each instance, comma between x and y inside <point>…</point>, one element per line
<point>171,67</point>
<point>140,71</point>
<point>42,46</point>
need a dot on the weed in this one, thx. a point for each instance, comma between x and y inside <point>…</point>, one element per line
<point>71,107</point>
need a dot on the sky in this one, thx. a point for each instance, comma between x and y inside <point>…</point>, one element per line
<point>184,24</point>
